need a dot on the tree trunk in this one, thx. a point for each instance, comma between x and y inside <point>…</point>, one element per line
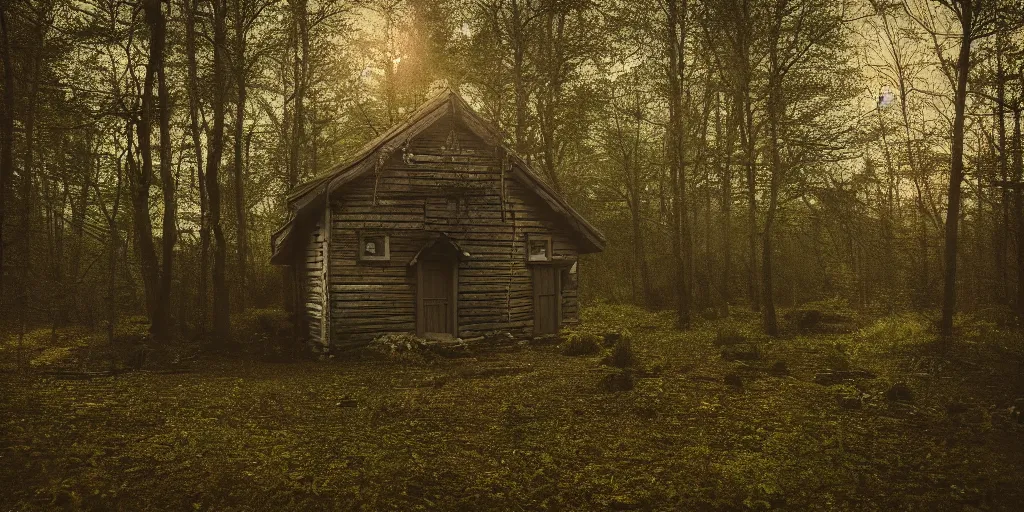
<point>639,254</point>
<point>28,171</point>
<point>221,307</point>
<point>774,108</point>
<point>1002,225</point>
<point>517,40</point>
<point>161,317</point>
<point>140,181</point>
<point>750,156</point>
<point>6,139</point>
<point>676,152</point>
<point>1018,205</point>
<point>239,182</point>
<point>956,174</point>
<point>197,147</point>
<point>300,68</point>
<point>726,249</point>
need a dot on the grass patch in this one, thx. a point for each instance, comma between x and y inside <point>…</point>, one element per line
<point>536,429</point>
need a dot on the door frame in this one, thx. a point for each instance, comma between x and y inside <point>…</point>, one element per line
<point>556,270</point>
<point>453,298</point>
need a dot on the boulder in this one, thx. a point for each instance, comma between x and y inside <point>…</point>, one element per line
<point>850,401</point>
<point>618,382</point>
<point>1017,410</point>
<point>899,392</point>
<point>779,368</point>
<point>741,352</point>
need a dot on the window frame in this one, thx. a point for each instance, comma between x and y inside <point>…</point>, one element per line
<point>548,257</point>
<point>363,235</point>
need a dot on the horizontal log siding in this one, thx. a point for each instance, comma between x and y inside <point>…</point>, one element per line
<point>422,192</point>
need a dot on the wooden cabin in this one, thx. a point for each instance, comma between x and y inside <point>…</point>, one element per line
<point>433,228</point>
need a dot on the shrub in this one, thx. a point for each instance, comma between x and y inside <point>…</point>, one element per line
<point>741,352</point>
<point>618,382</point>
<point>268,333</point>
<point>837,358</point>
<point>392,345</point>
<point>131,330</point>
<point>581,344</point>
<point>622,355</point>
<point>730,335</point>
<point>827,316</point>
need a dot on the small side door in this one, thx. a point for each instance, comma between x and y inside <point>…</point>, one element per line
<point>547,299</point>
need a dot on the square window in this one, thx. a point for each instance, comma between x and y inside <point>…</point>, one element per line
<point>539,249</point>
<point>374,247</point>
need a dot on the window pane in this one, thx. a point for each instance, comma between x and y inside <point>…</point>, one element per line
<point>539,249</point>
<point>373,246</point>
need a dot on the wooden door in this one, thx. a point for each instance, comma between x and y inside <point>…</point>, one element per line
<point>547,299</point>
<point>437,301</point>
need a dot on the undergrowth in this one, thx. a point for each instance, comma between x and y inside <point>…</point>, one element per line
<point>680,428</point>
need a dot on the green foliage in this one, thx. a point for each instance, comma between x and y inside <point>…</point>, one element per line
<point>837,357</point>
<point>578,343</point>
<point>528,428</point>
<point>399,347</point>
<point>730,335</point>
<point>267,333</point>
<point>831,316</point>
<point>622,354</point>
<point>131,330</point>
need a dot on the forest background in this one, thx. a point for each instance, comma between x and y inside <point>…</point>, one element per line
<point>752,153</point>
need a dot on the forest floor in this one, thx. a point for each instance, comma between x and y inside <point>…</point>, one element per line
<point>531,429</point>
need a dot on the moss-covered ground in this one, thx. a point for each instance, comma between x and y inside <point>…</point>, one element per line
<point>530,429</point>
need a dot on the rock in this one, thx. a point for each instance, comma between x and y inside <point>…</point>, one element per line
<point>779,368</point>
<point>850,402</point>
<point>498,339</point>
<point>825,320</point>
<point>956,408</point>
<point>729,336</point>
<point>347,402</point>
<point>624,503</point>
<point>741,352</point>
<point>545,340</point>
<point>618,382</point>
<point>1017,410</point>
<point>832,378</point>
<point>807,319</point>
<point>899,392</point>
<point>733,379</point>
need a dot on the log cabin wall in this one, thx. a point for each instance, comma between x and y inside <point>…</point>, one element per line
<point>446,180</point>
<point>312,285</point>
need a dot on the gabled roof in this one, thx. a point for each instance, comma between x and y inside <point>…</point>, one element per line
<point>306,201</point>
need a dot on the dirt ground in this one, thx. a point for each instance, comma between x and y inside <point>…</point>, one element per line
<point>529,428</point>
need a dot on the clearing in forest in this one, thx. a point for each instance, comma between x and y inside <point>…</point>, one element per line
<point>717,419</point>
